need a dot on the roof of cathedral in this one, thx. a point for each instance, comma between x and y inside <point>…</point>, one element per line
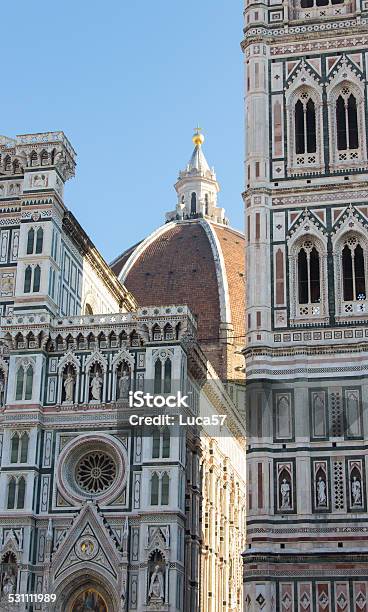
<point>195,259</point>
<point>196,262</point>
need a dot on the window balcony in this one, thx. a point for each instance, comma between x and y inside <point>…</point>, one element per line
<point>355,308</point>
<point>309,311</point>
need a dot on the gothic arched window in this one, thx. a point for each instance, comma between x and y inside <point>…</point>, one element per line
<point>309,285</point>
<point>21,493</point>
<point>154,490</point>
<point>44,158</point>
<point>39,240</point>
<point>353,270</point>
<point>24,383</point>
<point>27,279</point>
<point>11,494</point>
<point>161,443</point>
<point>19,448</point>
<point>165,484</point>
<point>347,121</point>
<point>33,158</point>
<point>16,493</point>
<point>36,279</point>
<point>158,377</point>
<point>305,125</point>
<point>30,241</point>
<point>167,376</point>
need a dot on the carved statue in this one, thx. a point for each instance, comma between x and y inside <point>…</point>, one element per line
<point>356,491</point>
<point>69,387</point>
<point>96,385</point>
<point>156,590</point>
<point>9,583</point>
<point>2,392</point>
<point>124,384</point>
<point>285,495</point>
<point>321,492</point>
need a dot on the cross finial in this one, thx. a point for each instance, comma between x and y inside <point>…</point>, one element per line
<point>197,129</point>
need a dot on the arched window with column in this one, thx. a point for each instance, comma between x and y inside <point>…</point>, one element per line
<point>305,125</point>
<point>353,270</point>
<point>347,121</point>
<point>309,282</point>
<point>346,125</point>
<point>39,240</point>
<point>16,493</point>
<point>24,383</point>
<point>305,142</point>
<point>30,241</point>
<point>308,278</point>
<point>19,448</point>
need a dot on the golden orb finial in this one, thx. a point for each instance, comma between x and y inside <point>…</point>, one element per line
<point>198,138</point>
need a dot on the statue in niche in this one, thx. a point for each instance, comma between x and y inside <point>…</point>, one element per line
<point>156,589</point>
<point>9,583</point>
<point>321,492</point>
<point>356,491</point>
<point>69,386</point>
<point>285,495</point>
<point>96,386</point>
<point>2,392</point>
<point>124,383</point>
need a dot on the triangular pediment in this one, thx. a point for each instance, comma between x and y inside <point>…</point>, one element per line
<point>88,541</point>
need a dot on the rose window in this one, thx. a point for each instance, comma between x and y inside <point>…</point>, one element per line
<point>95,472</point>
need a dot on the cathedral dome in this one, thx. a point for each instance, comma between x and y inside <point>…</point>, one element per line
<point>198,260</point>
<point>199,263</point>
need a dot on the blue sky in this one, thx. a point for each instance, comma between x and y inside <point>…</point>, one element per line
<point>127,81</point>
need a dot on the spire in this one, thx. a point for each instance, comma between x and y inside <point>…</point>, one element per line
<point>198,162</point>
<point>197,188</point>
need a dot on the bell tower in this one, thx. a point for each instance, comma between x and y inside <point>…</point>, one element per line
<point>306,350</point>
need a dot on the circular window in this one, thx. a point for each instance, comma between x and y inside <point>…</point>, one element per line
<point>92,466</point>
<point>95,472</point>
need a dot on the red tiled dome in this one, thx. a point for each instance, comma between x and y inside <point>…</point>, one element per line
<point>198,263</point>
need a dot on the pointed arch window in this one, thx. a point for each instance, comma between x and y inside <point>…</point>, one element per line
<point>27,279</point>
<point>11,494</point>
<point>21,493</point>
<point>39,240</point>
<point>36,279</point>
<point>165,484</point>
<point>167,376</point>
<point>161,443</point>
<point>24,383</point>
<point>30,241</point>
<point>160,489</point>
<point>305,125</point>
<point>33,158</point>
<point>353,270</point>
<point>16,493</point>
<point>309,282</point>
<point>19,448</point>
<point>154,490</point>
<point>347,121</point>
<point>158,376</point>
